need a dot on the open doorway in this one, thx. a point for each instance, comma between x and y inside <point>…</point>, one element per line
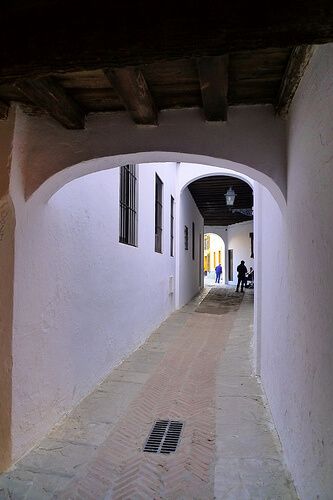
<point>214,252</point>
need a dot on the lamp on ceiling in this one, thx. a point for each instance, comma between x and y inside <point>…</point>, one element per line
<point>230,196</point>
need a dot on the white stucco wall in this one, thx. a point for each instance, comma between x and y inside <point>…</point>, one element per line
<point>190,271</point>
<point>240,242</point>
<point>251,142</point>
<point>83,301</point>
<point>296,313</point>
<point>297,266</point>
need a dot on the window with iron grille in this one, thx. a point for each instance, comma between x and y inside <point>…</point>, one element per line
<point>172,222</point>
<point>193,241</point>
<point>186,237</point>
<point>128,205</point>
<point>158,214</point>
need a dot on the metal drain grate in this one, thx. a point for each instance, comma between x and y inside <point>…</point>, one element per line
<point>164,437</point>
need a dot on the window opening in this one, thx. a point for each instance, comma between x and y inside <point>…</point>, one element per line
<point>193,241</point>
<point>172,223</point>
<point>128,205</point>
<point>158,214</point>
<point>231,264</point>
<point>252,253</point>
<point>186,237</point>
<point>200,260</point>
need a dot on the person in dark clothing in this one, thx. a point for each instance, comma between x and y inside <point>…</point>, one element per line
<point>218,272</point>
<point>241,270</point>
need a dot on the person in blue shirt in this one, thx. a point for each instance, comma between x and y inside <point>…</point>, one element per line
<point>218,272</point>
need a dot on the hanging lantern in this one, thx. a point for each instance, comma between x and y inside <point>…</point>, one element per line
<point>230,196</point>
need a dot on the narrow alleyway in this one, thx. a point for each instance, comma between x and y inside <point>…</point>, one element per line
<point>195,368</point>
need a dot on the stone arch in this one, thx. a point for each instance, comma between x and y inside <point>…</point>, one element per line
<point>252,142</point>
<point>221,171</point>
<point>223,246</point>
<point>244,172</point>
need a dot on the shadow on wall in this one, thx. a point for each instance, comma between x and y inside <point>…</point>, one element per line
<point>7,228</point>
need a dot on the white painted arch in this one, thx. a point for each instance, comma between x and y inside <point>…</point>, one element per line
<point>191,172</point>
<point>252,142</point>
<point>227,167</point>
<point>224,246</point>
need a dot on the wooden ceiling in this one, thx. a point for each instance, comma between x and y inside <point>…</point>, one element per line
<point>115,56</point>
<point>254,78</point>
<point>208,194</point>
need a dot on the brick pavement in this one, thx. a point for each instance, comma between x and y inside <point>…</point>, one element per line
<point>196,367</point>
<point>181,388</point>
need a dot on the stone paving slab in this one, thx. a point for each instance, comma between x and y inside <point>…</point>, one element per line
<point>196,367</point>
<point>252,479</point>
<point>249,463</point>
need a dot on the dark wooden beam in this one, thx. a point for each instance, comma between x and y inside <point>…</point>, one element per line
<point>4,108</point>
<point>131,86</point>
<point>213,75</point>
<point>47,94</point>
<point>298,61</point>
<point>58,36</point>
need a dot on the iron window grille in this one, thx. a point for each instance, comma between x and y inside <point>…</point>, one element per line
<point>128,205</point>
<point>158,214</point>
<point>172,223</point>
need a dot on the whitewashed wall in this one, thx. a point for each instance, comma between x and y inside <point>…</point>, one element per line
<point>297,293</point>
<point>240,243</point>
<point>190,271</point>
<point>83,301</point>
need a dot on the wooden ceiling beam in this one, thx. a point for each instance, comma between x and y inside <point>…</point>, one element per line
<point>132,88</point>
<point>47,94</point>
<point>298,61</point>
<point>213,76</point>
<point>81,39</point>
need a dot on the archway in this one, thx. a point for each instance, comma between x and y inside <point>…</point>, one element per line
<point>216,165</point>
<point>197,166</point>
<point>37,204</point>
<point>214,254</point>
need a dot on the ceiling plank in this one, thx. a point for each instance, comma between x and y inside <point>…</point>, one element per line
<point>213,75</point>
<point>208,194</point>
<point>132,87</point>
<point>79,39</point>
<point>47,94</point>
<point>4,108</point>
<point>298,61</point>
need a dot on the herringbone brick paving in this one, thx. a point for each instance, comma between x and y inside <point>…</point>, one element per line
<point>182,388</point>
<point>196,367</point>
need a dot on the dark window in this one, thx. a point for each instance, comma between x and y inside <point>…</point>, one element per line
<point>172,222</point>
<point>158,214</point>
<point>231,264</point>
<point>200,260</point>
<point>186,237</point>
<point>251,237</point>
<point>193,241</point>
<point>128,205</point>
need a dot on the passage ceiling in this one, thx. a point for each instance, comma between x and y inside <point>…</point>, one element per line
<point>70,59</point>
<point>208,194</point>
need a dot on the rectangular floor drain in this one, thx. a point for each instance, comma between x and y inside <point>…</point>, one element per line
<point>164,437</point>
